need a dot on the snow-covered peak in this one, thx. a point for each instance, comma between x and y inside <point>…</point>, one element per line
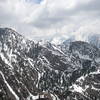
<point>58,72</point>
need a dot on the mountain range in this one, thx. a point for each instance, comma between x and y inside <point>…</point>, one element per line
<point>46,71</point>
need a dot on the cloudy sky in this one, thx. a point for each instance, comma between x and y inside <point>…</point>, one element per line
<point>45,19</point>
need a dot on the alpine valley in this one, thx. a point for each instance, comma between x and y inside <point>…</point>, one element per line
<point>45,71</point>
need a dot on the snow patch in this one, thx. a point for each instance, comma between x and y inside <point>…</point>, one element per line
<point>5,60</point>
<point>11,90</point>
<point>77,88</point>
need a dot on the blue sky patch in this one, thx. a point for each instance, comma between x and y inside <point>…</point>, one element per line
<point>36,1</point>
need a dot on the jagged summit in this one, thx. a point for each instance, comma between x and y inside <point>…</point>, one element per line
<point>8,31</point>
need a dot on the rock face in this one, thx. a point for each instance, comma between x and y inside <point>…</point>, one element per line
<point>29,71</point>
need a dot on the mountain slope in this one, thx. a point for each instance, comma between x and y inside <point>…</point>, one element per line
<point>28,69</point>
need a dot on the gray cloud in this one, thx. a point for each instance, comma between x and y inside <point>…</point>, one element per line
<point>44,19</point>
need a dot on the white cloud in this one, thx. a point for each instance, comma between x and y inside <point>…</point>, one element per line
<point>43,19</point>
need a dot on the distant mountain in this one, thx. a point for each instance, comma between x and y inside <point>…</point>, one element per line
<point>29,70</point>
<point>94,39</point>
